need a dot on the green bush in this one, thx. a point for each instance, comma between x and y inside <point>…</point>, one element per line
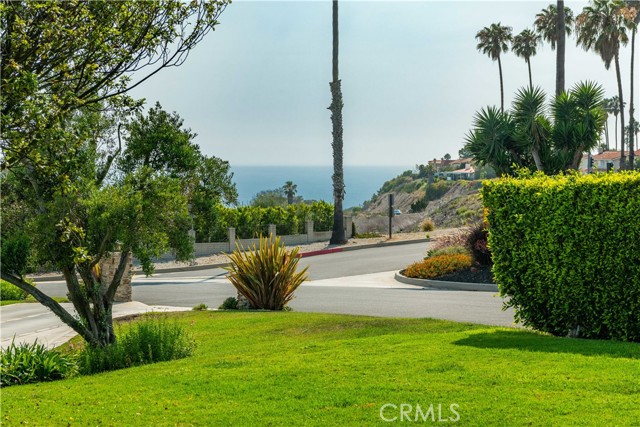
<point>11,292</point>
<point>147,341</point>
<point>230,303</point>
<point>266,275</point>
<point>566,252</point>
<point>29,363</point>
<point>448,250</point>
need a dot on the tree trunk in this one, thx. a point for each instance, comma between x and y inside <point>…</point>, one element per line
<point>620,94</point>
<point>606,132</point>
<point>560,28</point>
<point>501,85</point>
<point>615,127</point>
<point>93,302</point>
<point>631,107</point>
<point>337,235</point>
<point>530,80</point>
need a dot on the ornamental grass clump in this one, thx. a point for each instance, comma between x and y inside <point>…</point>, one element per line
<point>30,363</point>
<point>438,266</point>
<point>266,275</point>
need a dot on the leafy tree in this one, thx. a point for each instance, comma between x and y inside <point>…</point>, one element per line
<point>63,65</point>
<point>525,46</point>
<point>493,41</point>
<point>527,138</point>
<point>290,189</point>
<point>158,141</point>
<point>337,235</point>
<point>269,199</point>
<point>601,28</point>
<point>447,157</point>
<point>553,27</point>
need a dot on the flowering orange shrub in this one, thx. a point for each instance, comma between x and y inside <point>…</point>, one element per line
<point>438,266</point>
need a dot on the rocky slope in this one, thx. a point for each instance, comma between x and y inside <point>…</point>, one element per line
<point>456,204</point>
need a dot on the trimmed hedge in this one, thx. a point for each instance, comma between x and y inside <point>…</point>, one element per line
<point>566,252</point>
<point>252,221</point>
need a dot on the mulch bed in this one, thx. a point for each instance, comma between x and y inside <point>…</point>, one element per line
<point>476,274</point>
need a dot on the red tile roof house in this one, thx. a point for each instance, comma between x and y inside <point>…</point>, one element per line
<point>600,160</point>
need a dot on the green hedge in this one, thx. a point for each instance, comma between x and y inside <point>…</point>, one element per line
<point>566,252</point>
<point>251,221</point>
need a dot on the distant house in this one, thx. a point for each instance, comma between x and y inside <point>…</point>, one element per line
<point>601,160</point>
<point>454,170</point>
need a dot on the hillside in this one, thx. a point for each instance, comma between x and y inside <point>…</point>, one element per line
<point>447,203</point>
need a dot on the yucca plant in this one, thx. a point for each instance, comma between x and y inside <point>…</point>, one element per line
<point>266,275</point>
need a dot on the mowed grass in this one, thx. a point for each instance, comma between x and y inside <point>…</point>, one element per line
<point>297,369</point>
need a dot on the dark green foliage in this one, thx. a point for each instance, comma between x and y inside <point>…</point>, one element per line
<point>147,341</point>
<point>230,303</point>
<point>433,192</point>
<point>529,137</point>
<point>29,363</point>
<point>566,252</point>
<point>477,244</point>
<point>252,221</point>
<point>14,254</point>
<point>200,307</point>
<point>11,292</point>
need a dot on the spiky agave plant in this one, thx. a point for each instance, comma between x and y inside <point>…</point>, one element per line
<point>266,275</point>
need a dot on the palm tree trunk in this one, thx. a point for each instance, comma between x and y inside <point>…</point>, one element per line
<point>337,235</point>
<point>501,85</point>
<point>616,132</point>
<point>530,81</point>
<point>606,132</point>
<point>560,28</point>
<point>620,94</point>
<point>631,108</point>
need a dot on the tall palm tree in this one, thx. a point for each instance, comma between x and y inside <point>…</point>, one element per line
<point>614,108</point>
<point>601,27</point>
<point>607,110</point>
<point>525,46</point>
<point>632,17</point>
<point>553,27</point>
<point>290,189</point>
<point>493,41</point>
<point>337,235</point>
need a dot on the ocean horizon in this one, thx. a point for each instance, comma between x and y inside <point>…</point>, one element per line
<point>314,182</point>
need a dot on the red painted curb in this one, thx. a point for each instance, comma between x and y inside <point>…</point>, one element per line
<point>320,252</point>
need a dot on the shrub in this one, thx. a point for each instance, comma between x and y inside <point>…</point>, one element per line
<point>449,250</point>
<point>368,235</point>
<point>200,307</point>
<point>427,225</point>
<point>11,292</point>
<point>478,245</point>
<point>230,303</point>
<point>29,363</point>
<point>147,341</point>
<point>266,275</point>
<point>566,252</point>
<point>453,239</point>
<point>438,266</point>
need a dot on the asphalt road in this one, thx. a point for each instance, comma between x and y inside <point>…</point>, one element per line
<point>344,282</point>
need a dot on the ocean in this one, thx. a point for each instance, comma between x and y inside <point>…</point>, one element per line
<point>314,182</point>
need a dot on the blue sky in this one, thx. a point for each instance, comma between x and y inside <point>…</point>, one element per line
<point>256,89</point>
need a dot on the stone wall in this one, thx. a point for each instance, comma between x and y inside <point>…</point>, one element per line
<point>108,267</point>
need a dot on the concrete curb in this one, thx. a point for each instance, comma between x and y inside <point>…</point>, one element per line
<point>451,286</point>
<point>302,255</point>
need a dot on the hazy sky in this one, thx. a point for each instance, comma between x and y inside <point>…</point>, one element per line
<point>256,90</point>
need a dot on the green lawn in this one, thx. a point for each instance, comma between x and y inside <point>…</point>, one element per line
<point>281,369</point>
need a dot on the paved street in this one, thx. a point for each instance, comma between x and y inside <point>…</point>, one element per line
<point>357,282</point>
